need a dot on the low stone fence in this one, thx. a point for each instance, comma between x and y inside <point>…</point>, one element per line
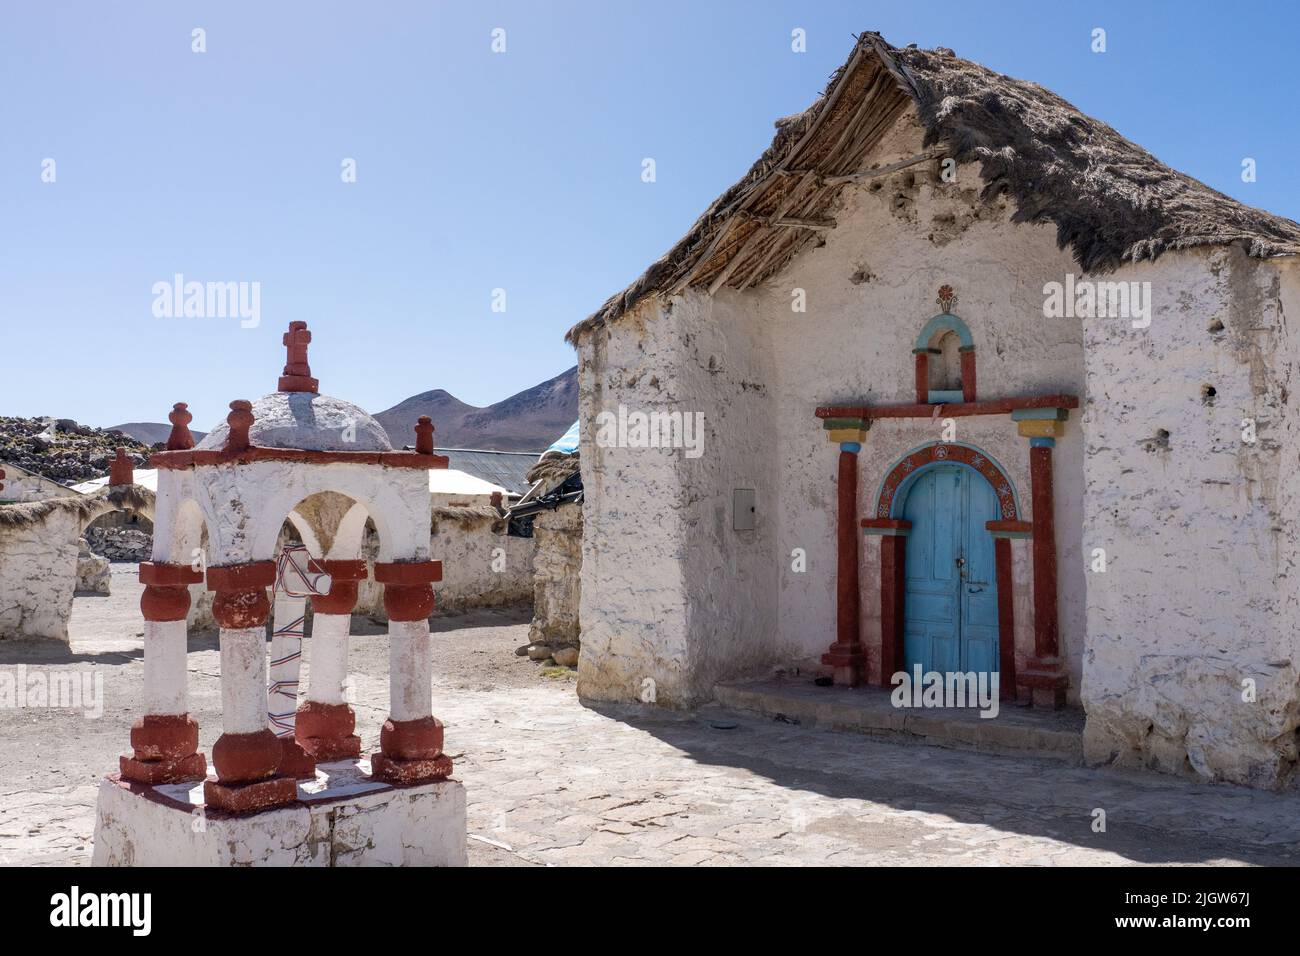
<point>482,566</point>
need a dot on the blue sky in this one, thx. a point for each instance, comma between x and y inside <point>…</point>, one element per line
<point>475,170</point>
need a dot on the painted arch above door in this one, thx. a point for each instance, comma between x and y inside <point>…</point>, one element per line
<point>893,490</point>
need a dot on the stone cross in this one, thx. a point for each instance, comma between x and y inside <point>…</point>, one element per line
<point>297,373</point>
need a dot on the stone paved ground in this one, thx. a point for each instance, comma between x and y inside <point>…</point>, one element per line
<point>553,782</point>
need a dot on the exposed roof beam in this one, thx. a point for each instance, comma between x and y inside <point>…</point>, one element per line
<point>882,170</point>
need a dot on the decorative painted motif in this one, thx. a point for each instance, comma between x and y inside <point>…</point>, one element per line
<point>947,298</point>
<point>952,453</point>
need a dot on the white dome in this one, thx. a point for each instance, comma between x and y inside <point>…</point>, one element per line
<point>309,421</point>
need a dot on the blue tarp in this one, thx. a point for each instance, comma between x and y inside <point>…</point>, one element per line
<point>568,442</point>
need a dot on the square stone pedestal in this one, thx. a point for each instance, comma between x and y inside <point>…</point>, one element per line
<point>341,818</point>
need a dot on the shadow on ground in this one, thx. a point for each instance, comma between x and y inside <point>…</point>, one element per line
<point>1149,818</point>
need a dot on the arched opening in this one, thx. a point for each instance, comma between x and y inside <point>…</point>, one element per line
<point>334,526</point>
<point>125,535</point>
<point>945,361</point>
<point>320,568</point>
<point>946,564</point>
<point>945,367</point>
<point>117,528</point>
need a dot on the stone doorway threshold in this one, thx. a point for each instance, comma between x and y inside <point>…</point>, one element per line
<point>868,710</point>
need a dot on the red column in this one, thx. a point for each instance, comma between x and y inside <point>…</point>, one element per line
<point>1006,619</point>
<point>1044,678</point>
<point>922,376</point>
<point>968,373</point>
<point>847,655</point>
<point>893,569</point>
<point>411,739</point>
<point>247,755</point>
<point>164,746</point>
<point>121,470</point>
<point>1045,626</point>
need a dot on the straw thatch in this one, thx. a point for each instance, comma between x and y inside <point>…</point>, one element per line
<point>1110,200</point>
<point>85,507</point>
<point>469,517</point>
<point>553,468</point>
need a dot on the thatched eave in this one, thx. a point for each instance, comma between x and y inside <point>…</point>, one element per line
<point>85,507</point>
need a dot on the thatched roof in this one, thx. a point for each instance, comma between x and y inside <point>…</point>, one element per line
<point>468,517</point>
<point>85,507</point>
<point>553,468</point>
<point>1111,201</point>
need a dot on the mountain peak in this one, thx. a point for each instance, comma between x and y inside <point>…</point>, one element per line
<point>526,421</point>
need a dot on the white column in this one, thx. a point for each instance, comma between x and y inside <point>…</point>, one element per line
<point>410,670</point>
<point>329,658</point>
<point>243,680</point>
<point>164,667</point>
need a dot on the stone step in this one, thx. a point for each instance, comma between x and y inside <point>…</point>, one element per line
<point>870,711</point>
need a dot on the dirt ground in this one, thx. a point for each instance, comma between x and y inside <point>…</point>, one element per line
<point>550,781</point>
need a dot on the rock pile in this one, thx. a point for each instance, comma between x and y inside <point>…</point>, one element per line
<point>63,450</point>
<point>120,544</point>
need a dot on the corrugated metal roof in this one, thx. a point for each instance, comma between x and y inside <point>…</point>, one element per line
<point>504,468</point>
<point>144,477</point>
<point>453,481</point>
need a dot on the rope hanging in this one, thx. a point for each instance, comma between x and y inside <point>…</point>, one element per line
<point>297,577</point>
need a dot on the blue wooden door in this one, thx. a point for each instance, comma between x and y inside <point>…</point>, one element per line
<point>950,610</point>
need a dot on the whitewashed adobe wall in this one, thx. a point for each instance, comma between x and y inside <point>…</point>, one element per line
<point>1199,526</point>
<point>38,573</point>
<point>673,599</point>
<point>22,485</point>
<point>38,568</point>
<point>480,568</point>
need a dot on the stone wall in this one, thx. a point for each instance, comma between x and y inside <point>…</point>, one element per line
<point>38,574</point>
<point>120,543</point>
<point>41,561</point>
<point>557,573</point>
<point>1198,525</point>
<point>482,566</point>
